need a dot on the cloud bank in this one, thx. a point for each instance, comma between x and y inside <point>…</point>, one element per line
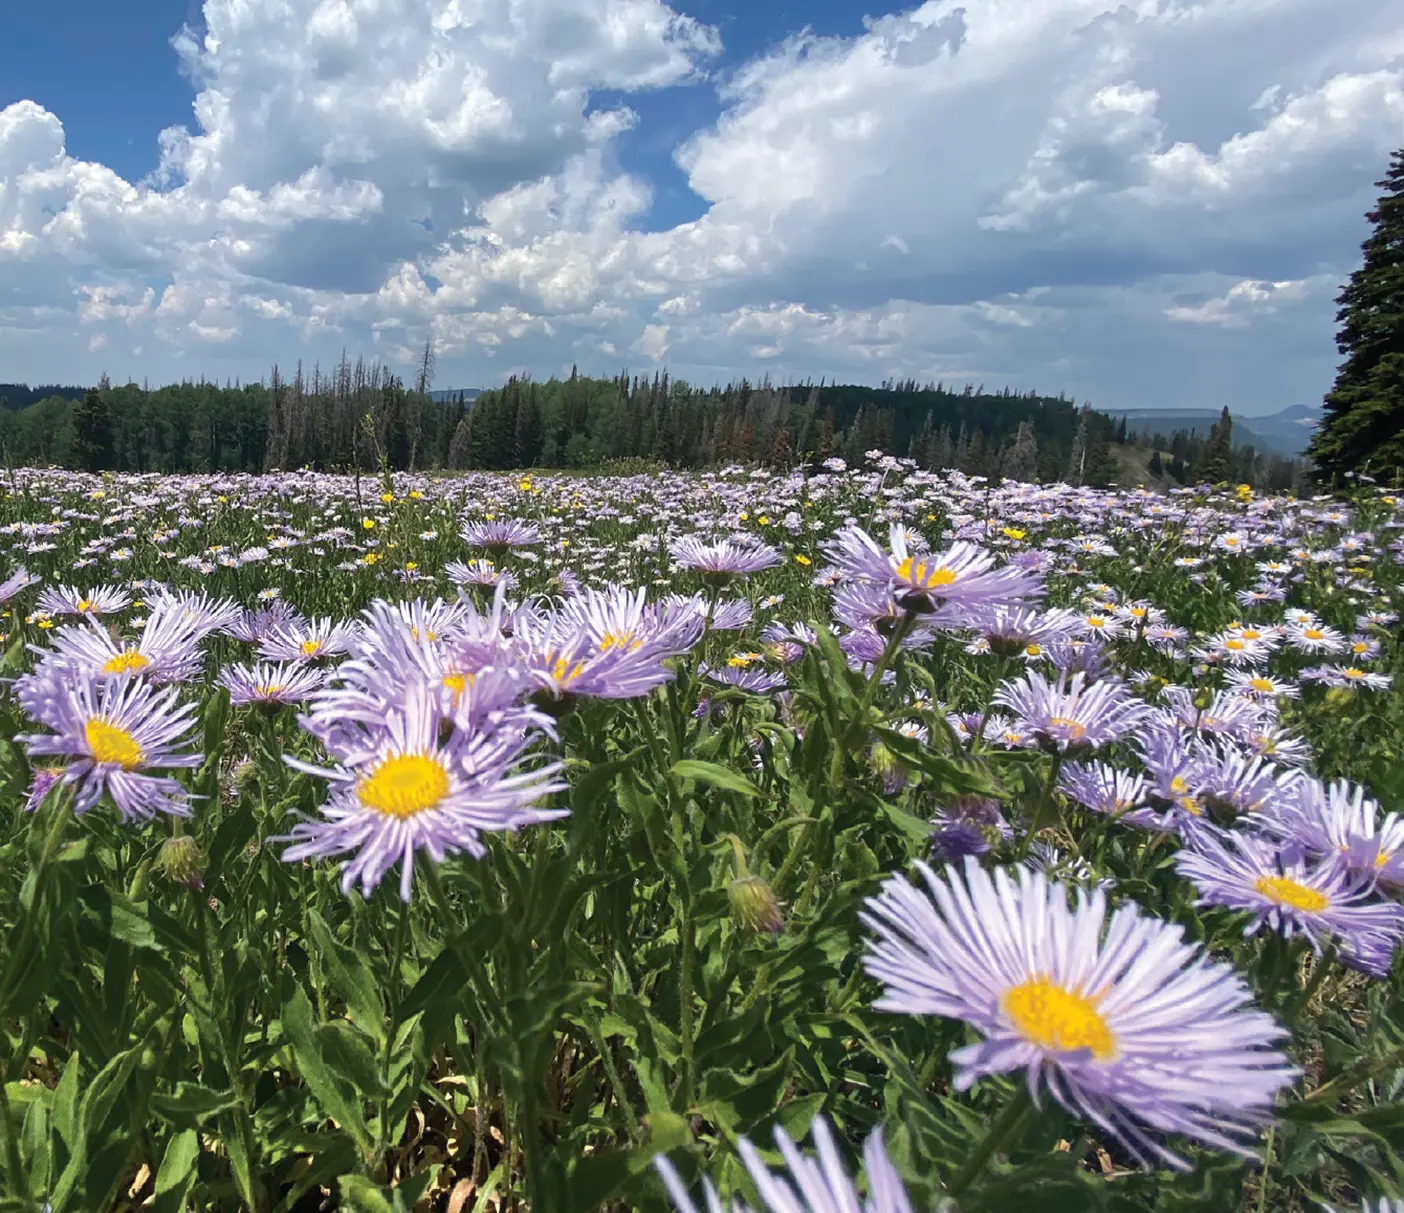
<point>1144,203</point>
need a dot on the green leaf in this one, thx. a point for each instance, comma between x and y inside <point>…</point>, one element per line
<point>716,775</point>
<point>176,1174</point>
<point>351,977</point>
<point>190,1103</point>
<point>66,1103</point>
<point>334,1101</point>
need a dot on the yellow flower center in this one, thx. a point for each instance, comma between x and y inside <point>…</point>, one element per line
<point>270,690</point>
<point>111,744</point>
<point>1033,650</point>
<point>128,661</point>
<point>563,672</point>
<point>1314,633</point>
<point>1352,672</point>
<point>404,785</point>
<point>1287,892</point>
<point>923,575</point>
<point>310,648</point>
<point>619,640</point>
<point>1234,645</point>
<point>1096,621</point>
<point>85,604</point>
<point>1262,684</point>
<point>1059,1020</point>
<point>1071,727</point>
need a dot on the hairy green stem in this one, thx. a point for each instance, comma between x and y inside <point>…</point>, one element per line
<point>1004,1125</point>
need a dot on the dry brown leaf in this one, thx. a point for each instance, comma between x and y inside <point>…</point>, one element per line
<point>459,1197</point>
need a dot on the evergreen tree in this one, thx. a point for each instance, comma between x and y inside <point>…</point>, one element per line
<point>460,451</point>
<point>92,443</point>
<point>1021,460</point>
<point>1156,467</point>
<point>1215,461</point>
<point>1364,423</point>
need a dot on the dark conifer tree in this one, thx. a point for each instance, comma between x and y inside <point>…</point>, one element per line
<point>92,425</point>
<point>1364,424</point>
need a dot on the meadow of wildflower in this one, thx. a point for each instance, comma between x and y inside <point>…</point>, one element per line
<point>851,838</point>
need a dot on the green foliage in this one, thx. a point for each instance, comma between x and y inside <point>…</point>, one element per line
<point>1363,430</point>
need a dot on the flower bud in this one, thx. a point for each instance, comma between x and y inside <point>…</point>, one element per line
<point>753,905</point>
<point>180,861</point>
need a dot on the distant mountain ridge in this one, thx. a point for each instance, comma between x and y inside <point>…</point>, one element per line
<point>451,393</point>
<point>1285,432</point>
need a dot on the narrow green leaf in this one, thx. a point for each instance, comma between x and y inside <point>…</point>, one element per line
<point>716,775</point>
<point>342,1108</point>
<point>177,1171</point>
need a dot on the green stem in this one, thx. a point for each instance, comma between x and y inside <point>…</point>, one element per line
<point>858,729</point>
<point>1324,963</point>
<point>1267,1163</point>
<point>397,953</point>
<point>1045,803</point>
<point>1002,1128</point>
<point>1362,1071</point>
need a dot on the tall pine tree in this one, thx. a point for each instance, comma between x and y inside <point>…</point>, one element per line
<point>1364,424</point>
<point>92,441</point>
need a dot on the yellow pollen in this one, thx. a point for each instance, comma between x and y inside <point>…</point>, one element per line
<point>1262,684</point>
<point>1287,892</point>
<point>1360,647</point>
<point>113,744</point>
<point>404,785</point>
<point>85,604</point>
<point>1096,621</point>
<point>1059,1020</point>
<point>1250,634</point>
<point>310,648</point>
<point>927,577</point>
<point>619,640</point>
<point>1352,672</point>
<point>1314,634</point>
<point>1070,726</point>
<point>1234,645</point>
<point>1033,650</point>
<point>1179,785</point>
<point>128,661</point>
<point>269,690</point>
<point>564,672</point>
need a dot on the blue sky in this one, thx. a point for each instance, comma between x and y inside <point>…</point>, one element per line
<point>1144,203</point>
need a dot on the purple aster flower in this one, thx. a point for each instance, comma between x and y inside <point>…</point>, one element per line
<point>1114,1014</point>
<point>500,534</point>
<point>1012,630</point>
<point>1338,819</point>
<point>1069,715</point>
<point>194,611</point>
<point>786,643</point>
<point>168,649</point>
<point>1232,782</point>
<point>21,578</point>
<point>306,640</point>
<point>724,559</point>
<point>112,737</point>
<point>270,685</point>
<point>757,682</point>
<point>1105,789</point>
<point>1284,893</point>
<point>807,1185</point>
<point>253,626</point>
<point>963,576</point>
<point>43,780</point>
<point>482,574</point>
<point>419,781</point>
<point>65,600</point>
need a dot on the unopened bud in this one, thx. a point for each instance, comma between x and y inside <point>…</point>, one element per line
<point>1203,698</point>
<point>181,860</point>
<point>1340,697</point>
<point>753,905</point>
<point>245,773</point>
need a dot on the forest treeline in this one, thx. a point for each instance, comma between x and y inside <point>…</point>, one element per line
<point>362,415</point>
